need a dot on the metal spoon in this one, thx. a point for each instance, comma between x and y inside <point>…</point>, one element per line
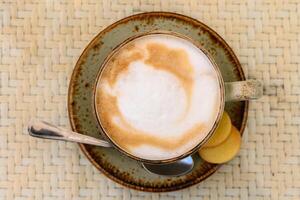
<point>45,130</point>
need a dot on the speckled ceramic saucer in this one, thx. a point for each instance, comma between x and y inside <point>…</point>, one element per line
<point>111,162</point>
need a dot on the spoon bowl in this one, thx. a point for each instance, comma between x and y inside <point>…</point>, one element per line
<point>177,168</point>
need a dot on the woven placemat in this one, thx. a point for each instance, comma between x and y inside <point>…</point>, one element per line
<point>40,42</point>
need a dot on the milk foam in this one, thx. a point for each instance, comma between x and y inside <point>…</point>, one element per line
<point>154,104</point>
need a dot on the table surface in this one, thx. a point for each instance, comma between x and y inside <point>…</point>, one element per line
<point>40,42</point>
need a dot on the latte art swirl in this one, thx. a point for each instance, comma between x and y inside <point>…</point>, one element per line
<point>158,96</point>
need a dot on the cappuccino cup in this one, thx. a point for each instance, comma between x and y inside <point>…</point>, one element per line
<point>160,96</point>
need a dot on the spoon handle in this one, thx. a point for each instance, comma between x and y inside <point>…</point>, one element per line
<point>45,130</point>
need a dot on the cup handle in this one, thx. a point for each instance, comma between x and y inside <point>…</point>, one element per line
<point>243,90</point>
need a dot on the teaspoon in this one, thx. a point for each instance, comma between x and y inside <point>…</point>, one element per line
<point>45,130</point>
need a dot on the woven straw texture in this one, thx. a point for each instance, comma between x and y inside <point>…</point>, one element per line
<point>40,42</point>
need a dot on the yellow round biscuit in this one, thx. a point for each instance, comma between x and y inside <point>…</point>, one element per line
<point>221,133</point>
<point>225,151</point>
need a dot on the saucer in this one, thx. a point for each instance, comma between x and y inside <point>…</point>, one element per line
<point>111,162</point>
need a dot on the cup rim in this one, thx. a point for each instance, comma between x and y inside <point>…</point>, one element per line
<point>208,135</point>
